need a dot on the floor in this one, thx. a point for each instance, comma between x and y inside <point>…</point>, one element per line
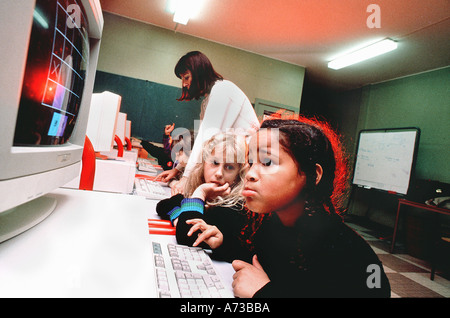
<point>409,277</point>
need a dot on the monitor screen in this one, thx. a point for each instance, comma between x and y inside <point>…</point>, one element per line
<point>50,59</point>
<point>54,75</point>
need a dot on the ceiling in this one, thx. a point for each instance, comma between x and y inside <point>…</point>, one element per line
<point>309,33</point>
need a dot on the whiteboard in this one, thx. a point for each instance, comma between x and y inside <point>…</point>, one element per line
<point>385,159</point>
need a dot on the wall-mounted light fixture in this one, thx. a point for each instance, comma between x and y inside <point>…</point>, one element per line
<point>363,54</point>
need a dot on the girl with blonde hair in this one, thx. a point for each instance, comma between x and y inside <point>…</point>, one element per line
<point>213,190</point>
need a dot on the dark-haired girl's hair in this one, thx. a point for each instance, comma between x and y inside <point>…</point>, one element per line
<point>310,142</point>
<point>203,75</point>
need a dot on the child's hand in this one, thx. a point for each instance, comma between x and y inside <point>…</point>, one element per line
<point>209,191</point>
<point>210,233</point>
<point>168,129</point>
<point>248,278</point>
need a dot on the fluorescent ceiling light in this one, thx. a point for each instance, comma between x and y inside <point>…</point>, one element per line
<point>363,54</point>
<point>184,10</point>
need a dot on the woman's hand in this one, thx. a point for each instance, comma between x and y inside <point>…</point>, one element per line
<point>167,175</point>
<point>210,233</point>
<point>209,191</point>
<point>249,278</point>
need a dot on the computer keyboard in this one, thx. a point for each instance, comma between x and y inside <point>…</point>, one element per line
<point>182,272</point>
<point>151,189</point>
<point>147,167</point>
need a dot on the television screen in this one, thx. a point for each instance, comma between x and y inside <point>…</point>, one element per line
<point>50,55</point>
<point>54,76</point>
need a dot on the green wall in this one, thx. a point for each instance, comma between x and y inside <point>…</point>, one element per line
<point>143,51</point>
<point>149,105</point>
<point>421,100</point>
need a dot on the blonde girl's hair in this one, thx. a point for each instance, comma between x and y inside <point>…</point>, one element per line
<point>235,148</point>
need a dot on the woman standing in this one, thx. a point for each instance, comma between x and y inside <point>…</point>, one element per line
<point>225,106</point>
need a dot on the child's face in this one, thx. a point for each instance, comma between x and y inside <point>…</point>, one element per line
<point>273,182</point>
<point>217,170</point>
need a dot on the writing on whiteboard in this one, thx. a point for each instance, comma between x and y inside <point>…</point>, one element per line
<point>385,159</point>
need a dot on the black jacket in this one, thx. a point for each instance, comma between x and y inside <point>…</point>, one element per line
<point>319,257</point>
<point>229,221</point>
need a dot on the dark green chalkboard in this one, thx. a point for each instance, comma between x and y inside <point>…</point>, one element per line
<point>149,105</point>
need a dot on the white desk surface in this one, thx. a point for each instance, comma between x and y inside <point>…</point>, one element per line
<point>94,244</point>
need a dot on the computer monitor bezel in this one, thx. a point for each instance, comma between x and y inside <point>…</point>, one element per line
<point>27,173</point>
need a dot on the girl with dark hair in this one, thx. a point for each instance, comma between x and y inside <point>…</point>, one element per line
<point>225,107</point>
<point>302,248</point>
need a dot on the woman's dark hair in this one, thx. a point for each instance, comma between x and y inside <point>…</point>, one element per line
<point>311,142</point>
<point>203,75</point>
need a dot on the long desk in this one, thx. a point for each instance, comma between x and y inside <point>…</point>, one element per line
<point>422,206</point>
<point>95,244</point>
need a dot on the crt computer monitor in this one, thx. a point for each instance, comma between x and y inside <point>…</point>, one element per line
<point>49,56</point>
